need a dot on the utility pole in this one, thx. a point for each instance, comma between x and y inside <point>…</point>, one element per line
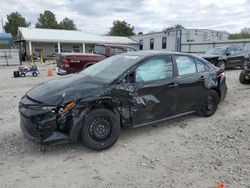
<point>2,24</point>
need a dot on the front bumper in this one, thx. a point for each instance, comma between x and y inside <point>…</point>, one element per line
<point>32,129</point>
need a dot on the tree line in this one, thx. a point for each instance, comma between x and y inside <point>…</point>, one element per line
<point>45,20</point>
<point>48,20</point>
<point>243,34</point>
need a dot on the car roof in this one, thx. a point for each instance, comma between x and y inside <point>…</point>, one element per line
<point>154,53</point>
<point>114,45</point>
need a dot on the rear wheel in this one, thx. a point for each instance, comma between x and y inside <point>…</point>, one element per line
<point>101,129</point>
<point>222,65</point>
<point>244,78</point>
<point>34,74</point>
<point>22,74</point>
<point>209,104</point>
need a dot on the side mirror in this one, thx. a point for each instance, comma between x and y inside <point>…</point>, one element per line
<point>228,53</point>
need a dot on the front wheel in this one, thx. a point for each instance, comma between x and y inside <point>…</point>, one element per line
<point>209,104</point>
<point>244,78</point>
<point>101,129</point>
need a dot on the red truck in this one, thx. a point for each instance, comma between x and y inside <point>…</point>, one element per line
<point>74,62</point>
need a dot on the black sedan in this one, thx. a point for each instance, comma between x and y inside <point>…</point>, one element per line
<point>126,90</point>
<point>227,56</point>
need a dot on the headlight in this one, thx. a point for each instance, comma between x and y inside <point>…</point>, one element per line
<point>66,108</point>
<point>38,107</point>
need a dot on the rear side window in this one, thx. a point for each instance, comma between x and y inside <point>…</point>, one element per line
<point>185,65</point>
<point>238,51</point>
<point>200,66</point>
<point>116,51</point>
<point>156,68</point>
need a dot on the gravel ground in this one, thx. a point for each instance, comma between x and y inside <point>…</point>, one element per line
<point>186,152</point>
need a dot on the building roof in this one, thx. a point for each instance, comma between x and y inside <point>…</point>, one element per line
<point>67,36</point>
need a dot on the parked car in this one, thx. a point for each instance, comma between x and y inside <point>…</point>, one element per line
<point>227,56</point>
<point>245,74</point>
<point>74,62</point>
<point>127,90</point>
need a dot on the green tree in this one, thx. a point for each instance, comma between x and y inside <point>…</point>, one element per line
<point>15,20</point>
<point>67,24</point>
<point>244,33</point>
<point>177,26</point>
<point>121,28</point>
<point>47,20</point>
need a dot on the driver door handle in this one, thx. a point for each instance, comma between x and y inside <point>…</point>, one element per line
<point>202,78</point>
<point>173,85</point>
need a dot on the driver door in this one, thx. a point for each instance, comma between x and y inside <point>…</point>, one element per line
<point>155,90</point>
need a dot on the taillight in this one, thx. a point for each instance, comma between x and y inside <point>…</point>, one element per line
<point>222,74</point>
<point>66,62</point>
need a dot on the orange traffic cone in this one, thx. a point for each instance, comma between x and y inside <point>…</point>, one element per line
<point>221,186</point>
<point>50,72</point>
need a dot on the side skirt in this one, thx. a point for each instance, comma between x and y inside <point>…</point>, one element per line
<point>164,119</point>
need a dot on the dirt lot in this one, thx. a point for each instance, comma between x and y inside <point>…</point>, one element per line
<point>186,152</point>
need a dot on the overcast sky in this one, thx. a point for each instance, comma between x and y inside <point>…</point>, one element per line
<point>96,16</point>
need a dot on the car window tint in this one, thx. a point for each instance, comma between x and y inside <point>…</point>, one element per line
<point>156,68</point>
<point>116,51</point>
<point>131,49</point>
<point>238,51</point>
<point>200,66</point>
<point>231,51</point>
<point>185,65</point>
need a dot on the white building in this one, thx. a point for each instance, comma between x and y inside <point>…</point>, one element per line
<point>51,41</point>
<point>172,40</point>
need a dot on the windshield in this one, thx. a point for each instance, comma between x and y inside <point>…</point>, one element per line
<point>99,50</point>
<point>111,68</point>
<point>217,51</point>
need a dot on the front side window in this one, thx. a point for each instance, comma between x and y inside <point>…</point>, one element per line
<point>151,44</point>
<point>116,51</point>
<point>156,68</point>
<point>185,65</point>
<point>200,66</point>
<point>231,51</point>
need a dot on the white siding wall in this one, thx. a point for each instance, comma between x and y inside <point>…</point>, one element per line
<point>173,41</point>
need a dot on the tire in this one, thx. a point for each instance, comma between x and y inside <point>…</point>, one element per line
<point>222,65</point>
<point>209,104</point>
<point>22,74</point>
<point>242,78</point>
<point>100,129</point>
<point>34,74</point>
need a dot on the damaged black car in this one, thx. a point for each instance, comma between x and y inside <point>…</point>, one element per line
<point>126,90</point>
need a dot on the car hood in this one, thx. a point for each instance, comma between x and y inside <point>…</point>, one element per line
<point>208,56</point>
<point>65,89</point>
